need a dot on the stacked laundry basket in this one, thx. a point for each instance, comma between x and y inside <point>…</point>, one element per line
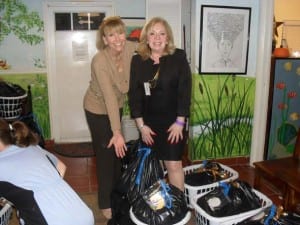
<point>221,177</point>
<point>5,212</point>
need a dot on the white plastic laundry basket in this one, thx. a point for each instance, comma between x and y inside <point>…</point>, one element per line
<point>192,191</point>
<point>11,107</point>
<point>5,214</point>
<point>203,218</point>
<point>184,221</point>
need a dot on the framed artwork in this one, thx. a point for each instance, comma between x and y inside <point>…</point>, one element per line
<point>224,39</point>
<point>134,26</point>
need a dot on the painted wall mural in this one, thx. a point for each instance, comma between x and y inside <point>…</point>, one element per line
<point>21,36</point>
<point>221,118</point>
<point>22,53</point>
<point>39,91</point>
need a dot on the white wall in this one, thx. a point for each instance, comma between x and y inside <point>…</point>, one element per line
<point>169,10</point>
<point>130,8</point>
<point>178,15</point>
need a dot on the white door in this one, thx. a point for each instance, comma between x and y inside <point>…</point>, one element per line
<point>70,39</point>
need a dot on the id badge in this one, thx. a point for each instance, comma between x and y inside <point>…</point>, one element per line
<point>147,88</point>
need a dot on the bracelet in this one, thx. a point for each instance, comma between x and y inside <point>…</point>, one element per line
<point>142,126</point>
<point>180,123</point>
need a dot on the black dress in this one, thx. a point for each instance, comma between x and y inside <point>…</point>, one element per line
<point>170,98</point>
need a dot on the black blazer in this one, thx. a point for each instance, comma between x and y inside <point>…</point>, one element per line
<point>172,95</point>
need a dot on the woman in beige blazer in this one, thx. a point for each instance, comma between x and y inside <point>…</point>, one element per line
<point>103,102</point>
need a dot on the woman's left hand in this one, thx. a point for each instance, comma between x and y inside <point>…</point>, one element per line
<point>175,133</point>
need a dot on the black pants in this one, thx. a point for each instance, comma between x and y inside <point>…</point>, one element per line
<point>107,163</point>
<point>24,202</point>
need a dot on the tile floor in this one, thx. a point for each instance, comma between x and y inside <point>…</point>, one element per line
<point>81,176</point>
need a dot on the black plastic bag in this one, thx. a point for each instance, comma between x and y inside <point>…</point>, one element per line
<point>273,216</point>
<point>170,210</point>
<point>131,153</point>
<point>229,199</point>
<point>289,218</point>
<point>140,174</point>
<point>119,201</point>
<point>120,209</point>
<point>210,172</point>
<point>11,90</point>
<point>126,188</point>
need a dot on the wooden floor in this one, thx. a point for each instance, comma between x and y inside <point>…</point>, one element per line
<point>81,176</point>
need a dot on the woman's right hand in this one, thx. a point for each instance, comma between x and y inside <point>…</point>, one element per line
<point>119,144</point>
<point>146,133</point>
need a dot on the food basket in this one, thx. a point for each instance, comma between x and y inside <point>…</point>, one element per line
<point>5,214</point>
<point>203,218</point>
<point>191,191</point>
<point>11,107</point>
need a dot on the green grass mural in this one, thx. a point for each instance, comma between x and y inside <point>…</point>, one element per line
<point>39,90</point>
<point>221,116</point>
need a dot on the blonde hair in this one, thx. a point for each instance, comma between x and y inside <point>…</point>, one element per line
<point>109,24</point>
<point>143,47</point>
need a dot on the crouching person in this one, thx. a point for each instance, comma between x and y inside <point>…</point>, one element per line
<point>24,164</point>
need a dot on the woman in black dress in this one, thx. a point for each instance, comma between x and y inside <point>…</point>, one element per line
<point>160,95</point>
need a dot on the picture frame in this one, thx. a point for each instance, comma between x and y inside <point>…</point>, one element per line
<point>134,26</point>
<point>224,39</point>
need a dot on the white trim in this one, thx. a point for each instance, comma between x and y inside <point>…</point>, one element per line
<point>262,80</point>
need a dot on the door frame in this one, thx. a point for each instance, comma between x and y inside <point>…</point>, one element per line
<point>49,9</point>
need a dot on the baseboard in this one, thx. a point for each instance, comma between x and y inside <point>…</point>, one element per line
<point>49,144</point>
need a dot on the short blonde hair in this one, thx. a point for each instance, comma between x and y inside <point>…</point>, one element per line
<point>143,47</point>
<point>109,24</point>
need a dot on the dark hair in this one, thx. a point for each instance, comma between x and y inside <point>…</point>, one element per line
<point>17,133</point>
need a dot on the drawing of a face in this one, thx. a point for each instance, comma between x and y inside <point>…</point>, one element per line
<point>225,47</point>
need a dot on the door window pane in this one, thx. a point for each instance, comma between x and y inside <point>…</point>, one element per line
<point>87,21</point>
<point>79,20</point>
<point>96,20</point>
<point>62,21</point>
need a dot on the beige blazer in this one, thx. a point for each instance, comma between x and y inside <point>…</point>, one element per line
<point>108,87</point>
